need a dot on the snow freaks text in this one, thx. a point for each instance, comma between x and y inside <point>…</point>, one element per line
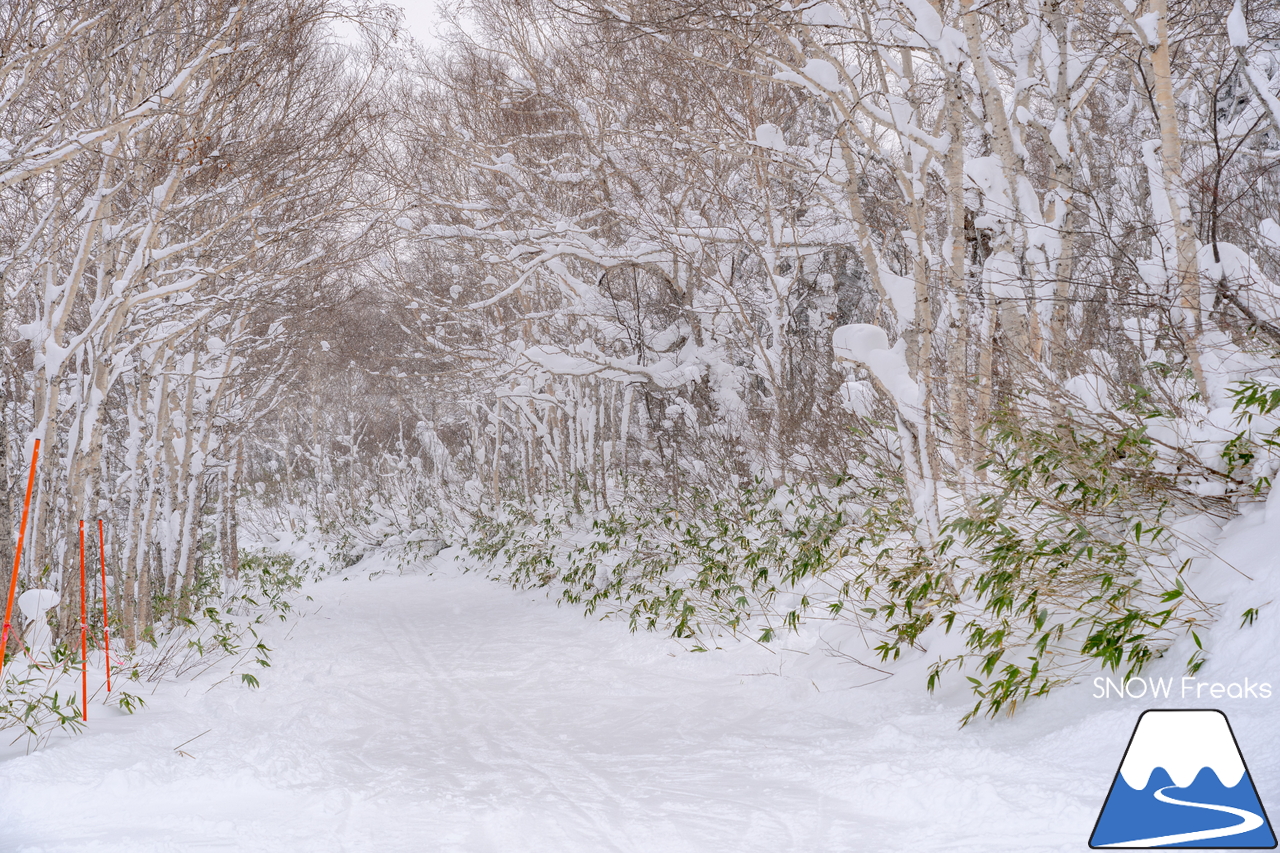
<point>1186,687</point>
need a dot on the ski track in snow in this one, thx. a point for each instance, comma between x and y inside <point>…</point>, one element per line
<point>448,713</point>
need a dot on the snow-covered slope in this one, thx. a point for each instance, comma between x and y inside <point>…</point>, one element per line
<point>446,713</point>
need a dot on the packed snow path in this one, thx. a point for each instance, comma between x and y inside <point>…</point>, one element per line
<point>448,713</point>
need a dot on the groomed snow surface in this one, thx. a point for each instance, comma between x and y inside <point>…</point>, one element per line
<point>440,711</point>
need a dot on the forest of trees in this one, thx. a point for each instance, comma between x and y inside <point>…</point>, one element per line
<point>723,317</point>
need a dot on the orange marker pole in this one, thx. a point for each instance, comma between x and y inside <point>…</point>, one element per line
<point>106,617</point>
<point>17,557</point>
<point>84,636</point>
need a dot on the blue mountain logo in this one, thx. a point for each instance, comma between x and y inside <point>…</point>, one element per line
<point>1183,783</point>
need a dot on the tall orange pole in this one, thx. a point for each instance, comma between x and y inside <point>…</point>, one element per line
<point>17,557</point>
<point>106,616</point>
<point>84,636</point>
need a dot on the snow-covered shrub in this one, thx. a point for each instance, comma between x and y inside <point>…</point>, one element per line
<point>37,699</point>
<point>1072,556</point>
<point>40,696</point>
<point>1069,555</point>
<point>753,561</point>
<point>224,613</point>
<point>1253,454</point>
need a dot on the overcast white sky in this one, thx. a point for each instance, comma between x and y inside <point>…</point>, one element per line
<point>421,18</point>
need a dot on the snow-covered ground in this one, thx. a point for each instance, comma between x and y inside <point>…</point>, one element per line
<point>437,711</point>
